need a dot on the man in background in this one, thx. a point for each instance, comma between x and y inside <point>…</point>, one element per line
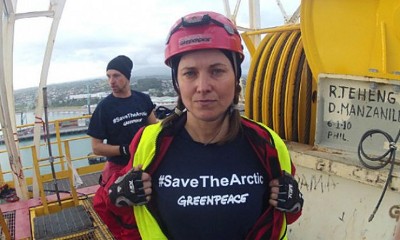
<point>118,117</point>
<point>115,122</point>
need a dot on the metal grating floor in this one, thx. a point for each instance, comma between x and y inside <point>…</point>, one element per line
<point>101,230</point>
<point>72,220</point>
<point>88,180</point>
<point>97,229</point>
<point>10,220</point>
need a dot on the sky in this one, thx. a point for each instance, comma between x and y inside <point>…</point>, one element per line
<point>92,32</point>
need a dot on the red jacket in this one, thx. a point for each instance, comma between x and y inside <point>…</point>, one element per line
<point>121,221</point>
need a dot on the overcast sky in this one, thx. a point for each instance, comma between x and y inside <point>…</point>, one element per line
<point>91,32</point>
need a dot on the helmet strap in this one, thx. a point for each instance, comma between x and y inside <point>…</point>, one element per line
<point>174,62</point>
<point>235,66</point>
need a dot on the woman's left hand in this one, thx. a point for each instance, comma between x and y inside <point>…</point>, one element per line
<point>285,194</point>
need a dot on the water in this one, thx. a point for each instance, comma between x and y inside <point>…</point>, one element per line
<point>78,148</point>
<point>29,117</point>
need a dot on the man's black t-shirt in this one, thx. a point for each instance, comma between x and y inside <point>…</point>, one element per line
<point>118,119</point>
<point>209,192</point>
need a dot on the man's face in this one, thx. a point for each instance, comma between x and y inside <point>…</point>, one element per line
<point>117,81</point>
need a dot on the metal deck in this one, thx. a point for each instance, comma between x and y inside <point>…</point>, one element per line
<point>17,214</point>
<point>72,220</point>
<point>88,180</point>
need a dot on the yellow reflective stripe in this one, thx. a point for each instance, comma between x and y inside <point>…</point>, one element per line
<point>146,149</point>
<point>147,225</point>
<point>283,153</point>
<point>283,234</point>
<point>285,163</point>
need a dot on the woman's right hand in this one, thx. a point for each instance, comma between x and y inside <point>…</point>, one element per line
<point>132,189</point>
<point>146,181</point>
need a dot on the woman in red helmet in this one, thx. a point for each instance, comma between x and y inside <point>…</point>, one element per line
<point>205,172</point>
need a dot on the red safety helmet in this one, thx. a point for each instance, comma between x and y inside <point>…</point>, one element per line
<point>202,30</point>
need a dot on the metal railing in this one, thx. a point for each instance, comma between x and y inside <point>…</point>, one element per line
<point>68,139</point>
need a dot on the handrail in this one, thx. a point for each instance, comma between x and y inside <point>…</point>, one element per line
<point>59,129</point>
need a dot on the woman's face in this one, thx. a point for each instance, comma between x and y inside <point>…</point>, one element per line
<point>207,84</point>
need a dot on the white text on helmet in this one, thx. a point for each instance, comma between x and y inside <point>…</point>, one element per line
<point>194,39</point>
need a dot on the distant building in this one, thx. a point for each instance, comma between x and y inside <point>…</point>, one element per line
<point>92,95</point>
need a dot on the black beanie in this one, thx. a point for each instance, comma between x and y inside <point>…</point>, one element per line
<point>123,64</point>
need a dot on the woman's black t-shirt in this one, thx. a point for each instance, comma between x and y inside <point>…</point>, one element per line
<point>209,191</point>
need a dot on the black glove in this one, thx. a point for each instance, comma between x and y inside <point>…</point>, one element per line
<point>124,150</point>
<point>290,199</point>
<point>127,190</point>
